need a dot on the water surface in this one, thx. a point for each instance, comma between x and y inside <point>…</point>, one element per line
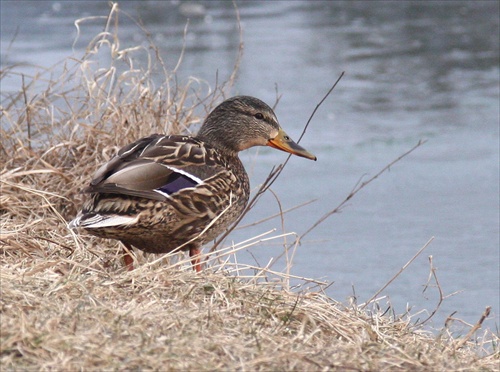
<point>414,71</point>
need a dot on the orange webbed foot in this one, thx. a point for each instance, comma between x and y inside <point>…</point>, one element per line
<point>195,254</point>
<point>127,258</point>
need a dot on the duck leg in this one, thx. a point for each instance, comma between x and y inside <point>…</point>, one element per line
<point>195,254</point>
<point>127,258</point>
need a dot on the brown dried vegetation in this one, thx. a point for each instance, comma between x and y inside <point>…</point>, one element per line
<point>68,304</point>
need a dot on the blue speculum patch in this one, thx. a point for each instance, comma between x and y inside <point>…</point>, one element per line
<point>177,182</point>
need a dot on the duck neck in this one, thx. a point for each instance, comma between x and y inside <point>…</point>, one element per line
<point>219,141</point>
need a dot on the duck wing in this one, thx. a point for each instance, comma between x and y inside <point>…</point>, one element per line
<point>155,167</point>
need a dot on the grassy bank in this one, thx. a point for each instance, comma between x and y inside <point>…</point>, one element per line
<point>68,304</point>
<point>75,313</point>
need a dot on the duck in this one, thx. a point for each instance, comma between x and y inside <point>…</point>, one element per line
<point>166,193</point>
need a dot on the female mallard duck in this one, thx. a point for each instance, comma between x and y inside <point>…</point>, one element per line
<point>165,193</point>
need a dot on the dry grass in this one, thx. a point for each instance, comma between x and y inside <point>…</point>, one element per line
<point>67,303</point>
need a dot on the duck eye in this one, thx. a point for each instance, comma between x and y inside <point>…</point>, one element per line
<point>259,116</point>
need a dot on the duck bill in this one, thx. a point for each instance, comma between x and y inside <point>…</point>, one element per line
<point>284,143</point>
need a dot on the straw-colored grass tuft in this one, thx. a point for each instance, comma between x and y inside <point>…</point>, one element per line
<point>68,304</point>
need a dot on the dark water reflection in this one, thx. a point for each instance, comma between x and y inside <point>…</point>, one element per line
<point>414,70</point>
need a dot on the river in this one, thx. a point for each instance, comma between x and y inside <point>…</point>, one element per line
<point>413,71</point>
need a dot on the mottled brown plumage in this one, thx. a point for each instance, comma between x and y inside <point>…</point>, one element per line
<point>165,193</point>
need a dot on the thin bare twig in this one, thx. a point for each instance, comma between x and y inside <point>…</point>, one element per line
<point>239,54</point>
<point>310,118</point>
<point>320,103</point>
<point>358,187</point>
<point>432,274</point>
<point>28,115</point>
<point>272,176</point>
<point>476,326</point>
<point>277,214</point>
<point>280,169</point>
<point>398,273</point>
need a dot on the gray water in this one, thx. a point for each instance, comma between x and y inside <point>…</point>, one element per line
<point>414,71</point>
